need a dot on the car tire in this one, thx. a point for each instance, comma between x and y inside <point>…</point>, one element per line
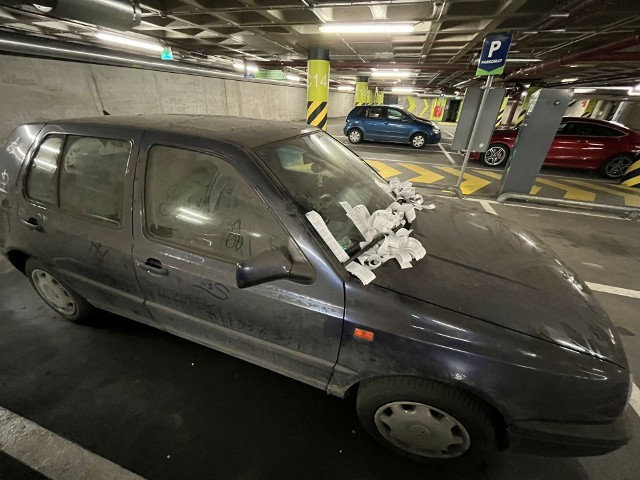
<point>496,155</point>
<point>418,140</point>
<point>426,421</point>
<point>616,166</point>
<point>65,301</point>
<point>354,135</point>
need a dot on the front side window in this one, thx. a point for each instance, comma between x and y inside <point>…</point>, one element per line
<point>42,179</point>
<point>393,114</point>
<point>92,177</point>
<point>201,202</point>
<point>318,173</point>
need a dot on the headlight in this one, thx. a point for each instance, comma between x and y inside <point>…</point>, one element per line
<point>436,130</point>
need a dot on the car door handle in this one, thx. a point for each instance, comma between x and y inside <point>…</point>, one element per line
<point>153,266</point>
<point>32,224</point>
<point>386,123</point>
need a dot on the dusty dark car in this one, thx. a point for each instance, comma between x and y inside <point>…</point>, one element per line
<point>582,143</point>
<point>192,226</point>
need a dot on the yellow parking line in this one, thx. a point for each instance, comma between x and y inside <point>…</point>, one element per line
<point>471,182</point>
<point>534,190</point>
<point>486,173</point>
<point>573,193</point>
<point>383,169</point>
<point>425,176</point>
<point>629,199</point>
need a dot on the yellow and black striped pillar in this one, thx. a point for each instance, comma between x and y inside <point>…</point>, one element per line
<point>369,97</point>
<point>318,87</point>
<point>362,87</point>
<point>632,176</point>
<point>589,108</point>
<point>501,112</point>
<point>525,105</point>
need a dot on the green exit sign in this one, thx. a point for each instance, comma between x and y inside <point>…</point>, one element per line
<point>166,54</point>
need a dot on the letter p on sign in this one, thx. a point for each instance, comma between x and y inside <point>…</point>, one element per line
<point>495,45</point>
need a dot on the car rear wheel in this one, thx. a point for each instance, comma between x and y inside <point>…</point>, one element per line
<point>616,166</point>
<point>496,155</point>
<point>57,294</point>
<point>418,140</point>
<point>354,135</point>
<point>426,421</point>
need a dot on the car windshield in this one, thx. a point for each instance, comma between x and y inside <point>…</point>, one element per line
<point>319,172</point>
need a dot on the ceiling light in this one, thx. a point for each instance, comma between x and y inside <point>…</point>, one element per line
<point>367,28</point>
<point>345,88</point>
<point>526,60</point>
<point>584,90</point>
<point>131,42</point>
<point>637,88</point>
<point>390,73</point>
<point>240,66</point>
<point>292,77</point>
<point>568,80</point>
<point>402,90</point>
<point>559,15</point>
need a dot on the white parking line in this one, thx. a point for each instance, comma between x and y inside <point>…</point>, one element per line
<point>487,206</point>
<point>624,292</point>
<point>446,154</point>
<point>634,401</point>
<point>450,135</point>
<point>51,455</point>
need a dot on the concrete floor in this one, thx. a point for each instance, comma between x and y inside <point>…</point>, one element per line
<point>166,408</point>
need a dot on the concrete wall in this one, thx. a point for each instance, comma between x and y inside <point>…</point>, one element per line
<point>35,89</point>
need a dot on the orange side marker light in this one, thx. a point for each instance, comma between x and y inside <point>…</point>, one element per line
<point>363,334</point>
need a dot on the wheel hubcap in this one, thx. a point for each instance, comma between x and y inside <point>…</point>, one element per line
<point>53,292</point>
<point>422,430</point>
<point>354,136</point>
<point>617,166</point>
<point>495,156</point>
<point>418,141</point>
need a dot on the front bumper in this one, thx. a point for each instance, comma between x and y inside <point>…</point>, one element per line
<point>555,439</point>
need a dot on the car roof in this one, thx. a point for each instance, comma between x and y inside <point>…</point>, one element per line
<point>245,132</point>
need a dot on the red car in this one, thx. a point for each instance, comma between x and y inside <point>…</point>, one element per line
<point>582,143</point>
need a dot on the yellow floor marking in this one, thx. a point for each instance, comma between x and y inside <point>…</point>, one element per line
<point>534,190</point>
<point>629,199</point>
<point>425,176</point>
<point>572,192</point>
<point>495,175</point>
<point>471,182</point>
<point>383,169</point>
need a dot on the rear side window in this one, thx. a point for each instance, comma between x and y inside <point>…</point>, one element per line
<point>590,130</point>
<point>201,202</point>
<point>42,179</point>
<point>375,112</point>
<point>92,177</point>
<point>362,112</point>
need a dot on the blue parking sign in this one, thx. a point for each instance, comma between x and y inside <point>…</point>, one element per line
<point>494,54</point>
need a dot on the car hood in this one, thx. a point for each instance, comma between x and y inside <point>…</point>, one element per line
<point>478,265</point>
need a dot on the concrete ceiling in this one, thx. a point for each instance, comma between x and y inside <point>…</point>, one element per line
<point>440,51</point>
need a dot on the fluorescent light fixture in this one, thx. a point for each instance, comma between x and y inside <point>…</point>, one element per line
<point>525,60</point>
<point>240,66</point>
<point>292,77</point>
<point>367,28</point>
<point>584,90</point>
<point>390,73</point>
<point>130,42</point>
<point>402,90</point>
<point>637,88</point>
<point>568,80</point>
<point>345,88</point>
<point>559,15</point>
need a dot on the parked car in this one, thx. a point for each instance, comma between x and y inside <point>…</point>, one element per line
<point>584,143</point>
<point>188,224</point>
<point>386,123</point>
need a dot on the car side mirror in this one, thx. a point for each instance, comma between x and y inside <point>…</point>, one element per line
<point>274,264</point>
<point>405,119</point>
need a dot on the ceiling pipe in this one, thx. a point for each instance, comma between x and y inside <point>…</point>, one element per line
<point>435,67</point>
<point>573,58</point>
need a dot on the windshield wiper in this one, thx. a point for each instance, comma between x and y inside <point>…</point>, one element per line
<point>375,240</point>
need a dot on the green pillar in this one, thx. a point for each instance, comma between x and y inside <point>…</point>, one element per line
<point>362,87</point>
<point>501,112</point>
<point>369,97</point>
<point>588,110</point>
<point>318,87</point>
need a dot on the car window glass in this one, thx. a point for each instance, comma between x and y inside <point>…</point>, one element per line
<point>602,131</point>
<point>42,179</point>
<point>375,112</point>
<point>393,114</point>
<point>92,176</point>
<point>363,112</point>
<point>561,128</point>
<point>199,201</point>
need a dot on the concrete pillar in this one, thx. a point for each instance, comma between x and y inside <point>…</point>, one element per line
<point>362,87</point>
<point>620,111</point>
<point>501,111</point>
<point>588,110</point>
<point>379,97</point>
<point>369,97</point>
<point>525,104</point>
<point>318,87</point>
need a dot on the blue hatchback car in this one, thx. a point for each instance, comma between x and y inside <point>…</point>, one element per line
<point>384,123</point>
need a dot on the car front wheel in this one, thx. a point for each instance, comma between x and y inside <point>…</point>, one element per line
<point>355,135</point>
<point>426,421</point>
<point>496,155</point>
<point>418,140</point>
<point>616,166</point>
<point>59,296</point>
